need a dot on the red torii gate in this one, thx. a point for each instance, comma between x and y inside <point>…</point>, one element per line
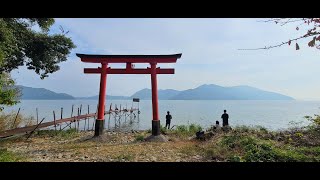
<point>128,59</point>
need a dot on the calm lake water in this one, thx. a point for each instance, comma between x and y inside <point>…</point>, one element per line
<point>270,114</point>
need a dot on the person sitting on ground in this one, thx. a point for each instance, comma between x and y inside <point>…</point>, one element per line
<point>217,126</point>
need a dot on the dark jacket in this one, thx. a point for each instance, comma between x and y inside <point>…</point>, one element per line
<point>225,118</point>
<point>168,118</point>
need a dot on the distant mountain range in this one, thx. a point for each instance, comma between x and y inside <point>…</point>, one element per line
<point>108,97</point>
<point>203,92</point>
<point>41,93</point>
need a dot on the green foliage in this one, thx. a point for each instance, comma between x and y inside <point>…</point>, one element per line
<point>70,133</point>
<point>234,159</point>
<point>139,137</point>
<point>246,129</point>
<point>186,131</point>
<point>7,156</point>
<point>8,93</point>
<point>163,129</point>
<point>125,157</point>
<point>262,129</point>
<point>298,134</point>
<point>39,50</point>
<point>251,149</point>
<point>182,129</point>
<point>21,45</point>
<point>193,128</point>
<point>314,120</point>
<point>313,151</point>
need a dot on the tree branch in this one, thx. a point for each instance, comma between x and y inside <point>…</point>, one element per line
<point>310,33</point>
<point>283,43</point>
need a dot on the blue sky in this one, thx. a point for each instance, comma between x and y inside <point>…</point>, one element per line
<point>209,50</point>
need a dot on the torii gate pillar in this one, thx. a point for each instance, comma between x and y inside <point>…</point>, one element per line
<point>99,126</point>
<point>155,109</point>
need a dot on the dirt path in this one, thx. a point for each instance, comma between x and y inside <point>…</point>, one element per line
<point>122,147</point>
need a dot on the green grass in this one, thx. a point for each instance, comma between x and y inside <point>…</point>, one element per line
<point>139,137</point>
<point>7,156</point>
<point>253,149</point>
<point>192,150</point>
<point>70,133</point>
<point>184,131</point>
<point>126,157</point>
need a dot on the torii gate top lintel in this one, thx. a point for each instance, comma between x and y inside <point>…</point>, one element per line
<point>94,58</point>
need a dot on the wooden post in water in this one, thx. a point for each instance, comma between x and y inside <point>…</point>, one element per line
<point>104,112</point>
<point>78,119</point>
<point>15,119</point>
<point>88,118</point>
<point>138,111</point>
<point>95,117</point>
<point>115,118</point>
<point>61,117</point>
<point>71,111</point>
<point>75,123</point>
<point>109,116</point>
<point>85,123</point>
<point>71,115</point>
<point>61,112</point>
<point>125,116</point>
<point>37,116</point>
<point>54,119</point>
<point>79,115</point>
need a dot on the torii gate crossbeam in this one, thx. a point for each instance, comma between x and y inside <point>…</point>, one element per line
<point>153,60</point>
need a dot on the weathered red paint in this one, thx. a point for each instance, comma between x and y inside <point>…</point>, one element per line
<point>102,94</point>
<point>154,92</point>
<point>128,71</point>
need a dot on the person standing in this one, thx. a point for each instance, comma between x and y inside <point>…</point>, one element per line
<point>225,118</point>
<point>168,119</point>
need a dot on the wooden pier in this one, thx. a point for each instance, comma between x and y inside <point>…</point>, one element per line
<point>74,119</point>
